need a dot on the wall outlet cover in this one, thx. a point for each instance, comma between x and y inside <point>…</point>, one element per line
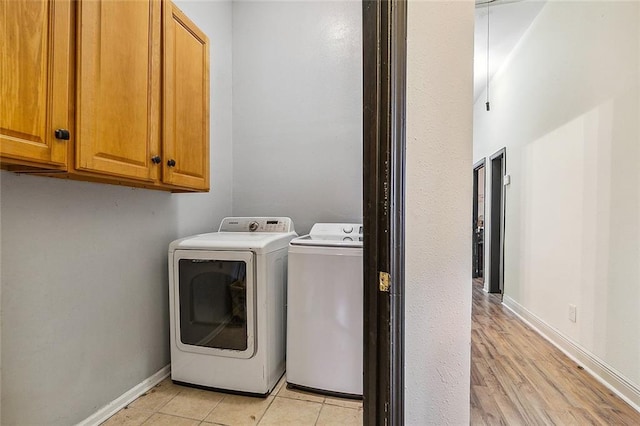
<point>572,313</point>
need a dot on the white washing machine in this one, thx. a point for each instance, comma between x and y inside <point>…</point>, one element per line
<point>227,293</point>
<point>324,310</point>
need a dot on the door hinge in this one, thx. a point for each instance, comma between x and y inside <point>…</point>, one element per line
<point>385,281</point>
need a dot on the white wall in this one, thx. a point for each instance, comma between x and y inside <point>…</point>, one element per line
<point>297,113</point>
<point>84,281</point>
<point>566,107</point>
<point>438,206</point>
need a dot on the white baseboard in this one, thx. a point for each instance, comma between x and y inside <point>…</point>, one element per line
<point>126,398</point>
<point>605,374</point>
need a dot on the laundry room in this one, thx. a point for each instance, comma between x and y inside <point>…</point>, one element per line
<point>85,292</point>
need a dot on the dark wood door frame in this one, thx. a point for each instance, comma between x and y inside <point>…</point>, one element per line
<point>384,77</point>
<point>477,256</point>
<point>498,163</point>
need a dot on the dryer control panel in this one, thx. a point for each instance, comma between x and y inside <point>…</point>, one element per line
<point>256,224</point>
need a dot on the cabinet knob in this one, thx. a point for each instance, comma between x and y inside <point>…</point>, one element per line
<point>62,134</point>
<point>156,159</point>
<point>171,163</point>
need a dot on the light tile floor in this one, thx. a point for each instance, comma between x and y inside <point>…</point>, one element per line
<point>174,405</point>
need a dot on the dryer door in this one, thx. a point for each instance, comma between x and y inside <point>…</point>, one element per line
<point>214,302</point>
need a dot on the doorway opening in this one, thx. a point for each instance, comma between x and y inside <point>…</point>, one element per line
<point>477,224</point>
<point>496,224</point>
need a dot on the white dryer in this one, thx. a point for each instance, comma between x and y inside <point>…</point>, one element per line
<point>324,310</point>
<point>227,293</point>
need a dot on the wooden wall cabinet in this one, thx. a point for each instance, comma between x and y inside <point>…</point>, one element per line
<point>118,88</point>
<point>132,124</point>
<point>186,102</point>
<point>35,83</point>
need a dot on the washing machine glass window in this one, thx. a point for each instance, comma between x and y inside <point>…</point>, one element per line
<point>215,303</point>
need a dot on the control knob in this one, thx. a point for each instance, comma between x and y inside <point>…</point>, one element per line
<point>253,226</point>
<point>347,229</point>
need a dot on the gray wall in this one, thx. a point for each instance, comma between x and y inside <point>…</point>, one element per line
<point>84,281</point>
<point>84,285</point>
<point>297,113</point>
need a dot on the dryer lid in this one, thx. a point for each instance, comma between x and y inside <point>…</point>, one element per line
<point>250,241</point>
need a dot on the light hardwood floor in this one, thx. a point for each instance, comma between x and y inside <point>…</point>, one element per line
<point>519,378</point>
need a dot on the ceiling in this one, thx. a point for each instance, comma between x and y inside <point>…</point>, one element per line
<point>508,21</point>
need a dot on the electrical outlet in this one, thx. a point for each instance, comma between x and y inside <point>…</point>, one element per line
<point>572,313</point>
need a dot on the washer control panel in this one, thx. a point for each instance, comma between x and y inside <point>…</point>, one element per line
<point>348,231</point>
<point>256,224</point>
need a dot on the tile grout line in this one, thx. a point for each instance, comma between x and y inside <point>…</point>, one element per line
<point>320,412</point>
<point>156,410</point>
<point>324,402</point>
<point>275,394</point>
<point>181,389</point>
<point>177,416</point>
<point>267,409</point>
<point>169,400</point>
<point>224,396</point>
<point>300,399</point>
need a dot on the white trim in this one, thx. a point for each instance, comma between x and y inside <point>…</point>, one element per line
<point>126,398</point>
<point>602,372</point>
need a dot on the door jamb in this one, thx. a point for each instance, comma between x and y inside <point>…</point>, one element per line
<point>500,153</point>
<point>384,76</point>
<point>481,163</point>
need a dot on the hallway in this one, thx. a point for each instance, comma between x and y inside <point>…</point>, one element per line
<point>518,378</point>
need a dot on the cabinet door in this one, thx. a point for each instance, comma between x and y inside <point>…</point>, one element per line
<point>186,102</point>
<point>35,64</point>
<point>118,87</point>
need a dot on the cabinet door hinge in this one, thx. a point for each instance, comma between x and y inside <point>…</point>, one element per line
<point>385,281</point>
